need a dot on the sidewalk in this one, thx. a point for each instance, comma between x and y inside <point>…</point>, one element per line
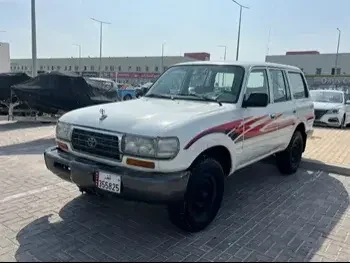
<point>329,148</point>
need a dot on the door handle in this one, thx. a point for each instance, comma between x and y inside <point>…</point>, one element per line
<point>273,116</point>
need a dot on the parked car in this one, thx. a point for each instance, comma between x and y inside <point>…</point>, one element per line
<point>178,149</point>
<point>331,108</point>
<point>124,92</point>
<point>142,90</point>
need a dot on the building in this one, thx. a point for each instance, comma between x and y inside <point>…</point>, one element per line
<point>315,63</point>
<point>132,70</point>
<point>319,68</point>
<point>4,57</point>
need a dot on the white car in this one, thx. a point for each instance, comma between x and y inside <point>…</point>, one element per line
<point>178,148</point>
<point>331,108</point>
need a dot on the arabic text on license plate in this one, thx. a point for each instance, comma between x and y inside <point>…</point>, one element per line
<point>109,182</point>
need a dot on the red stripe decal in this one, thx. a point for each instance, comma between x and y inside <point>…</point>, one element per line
<point>256,131</point>
<point>247,125</point>
<point>239,127</point>
<point>223,128</point>
<point>286,124</point>
<point>263,128</point>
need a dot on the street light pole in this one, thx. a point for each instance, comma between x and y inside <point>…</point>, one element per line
<point>34,55</point>
<point>225,47</point>
<point>79,46</point>
<point>268,44</point>
<point>336,56</point>
<point>239,25</point>
<point>101,24</point>
<point>223,75</point>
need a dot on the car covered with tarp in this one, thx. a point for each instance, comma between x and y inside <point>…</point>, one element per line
<point>9,79</point>
<point>6,81</point>
<point>60,92</point>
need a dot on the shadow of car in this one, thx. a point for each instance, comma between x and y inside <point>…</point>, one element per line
<point>264,217</point>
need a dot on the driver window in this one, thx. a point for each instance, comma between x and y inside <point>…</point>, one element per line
<point>257,83</point>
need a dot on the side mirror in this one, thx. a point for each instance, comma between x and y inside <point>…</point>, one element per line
<point>347,102</point>
<point>256,100</point>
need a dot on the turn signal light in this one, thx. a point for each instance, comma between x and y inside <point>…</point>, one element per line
<point>62,146</point>
<point>140,163</point>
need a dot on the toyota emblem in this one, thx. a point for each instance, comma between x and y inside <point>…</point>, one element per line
<point>91,142</point>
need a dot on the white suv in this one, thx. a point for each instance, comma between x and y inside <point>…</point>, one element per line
<point>331,108</point>
<point>198,124</point>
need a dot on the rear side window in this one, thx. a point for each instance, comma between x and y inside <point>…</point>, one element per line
<point>297,85</point>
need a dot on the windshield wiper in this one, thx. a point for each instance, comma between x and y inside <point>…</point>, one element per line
<point>163,96</point>
<point>203,97</point>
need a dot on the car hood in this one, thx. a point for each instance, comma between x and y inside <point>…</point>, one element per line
<point>146,116</point>
<point>327,105</point>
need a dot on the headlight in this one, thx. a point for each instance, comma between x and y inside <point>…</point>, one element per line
<point>162,148</point>
<point>333,111</point>
<point>63,131</point>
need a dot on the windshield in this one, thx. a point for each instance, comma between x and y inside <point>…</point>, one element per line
<point>195,82</point>
<point>327,96</point>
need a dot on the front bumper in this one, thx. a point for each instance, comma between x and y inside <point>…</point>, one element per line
<point>135,185</point>
<point>329,119</point>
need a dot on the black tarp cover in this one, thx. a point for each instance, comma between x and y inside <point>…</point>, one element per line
<point>9,79</point>
<point>55,91</point>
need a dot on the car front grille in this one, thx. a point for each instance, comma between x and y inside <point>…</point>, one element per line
<point>319,114</point>
<point>95,143</point>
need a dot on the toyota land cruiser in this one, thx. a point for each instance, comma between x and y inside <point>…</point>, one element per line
<point>197,125</point>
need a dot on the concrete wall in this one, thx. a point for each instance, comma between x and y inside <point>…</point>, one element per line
<point>4,57</point>
<point>310,63</point>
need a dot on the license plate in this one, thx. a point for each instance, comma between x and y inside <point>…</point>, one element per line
<point>109,182</point>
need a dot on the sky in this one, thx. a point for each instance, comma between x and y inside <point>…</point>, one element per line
<point>139,27</point>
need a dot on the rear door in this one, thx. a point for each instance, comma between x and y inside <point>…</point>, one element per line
<point>283,104</point>
<point>303,105</point>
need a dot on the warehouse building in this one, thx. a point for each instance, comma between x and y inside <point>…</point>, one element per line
<point>320,69</point>
<point>315,63</point>
<point>132,70</point>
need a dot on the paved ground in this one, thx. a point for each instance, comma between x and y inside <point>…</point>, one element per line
<point>331,146</point>
<point>265,217</point>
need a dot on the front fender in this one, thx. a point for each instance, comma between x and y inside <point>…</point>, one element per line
<point>186,156</point>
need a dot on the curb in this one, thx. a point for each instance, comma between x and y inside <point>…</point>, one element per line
<point>309,164</point>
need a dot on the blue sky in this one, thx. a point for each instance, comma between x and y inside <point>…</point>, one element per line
<point>140,26</point>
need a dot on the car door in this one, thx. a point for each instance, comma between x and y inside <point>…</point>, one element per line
<point>303,105</point>
<point>283,104</point>
<point>259,128</point>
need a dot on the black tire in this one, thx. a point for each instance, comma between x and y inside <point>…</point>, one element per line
<point>127,97</point>
<point>203,197</point>
<point>289,160</point>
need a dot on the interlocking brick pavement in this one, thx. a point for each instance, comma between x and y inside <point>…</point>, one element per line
<point>330,146</point>
<point>264,217</point>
